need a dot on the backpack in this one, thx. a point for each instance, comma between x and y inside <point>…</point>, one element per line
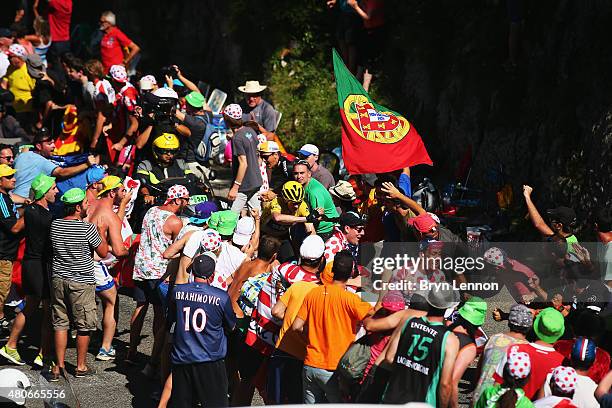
<point>353,363</point>
<point>210,144</point>
<point>249,293</point>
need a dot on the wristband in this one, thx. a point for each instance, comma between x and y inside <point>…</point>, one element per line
<point>237,183</point>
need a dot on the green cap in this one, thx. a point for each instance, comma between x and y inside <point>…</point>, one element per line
<point>73,196</point>
<point>474,311</point>
<point>549,325</point>
<point>41,184</point>
<point>195,99</point>
<point>224,222</point>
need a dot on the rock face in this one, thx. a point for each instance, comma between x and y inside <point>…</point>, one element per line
<point>548,123</point>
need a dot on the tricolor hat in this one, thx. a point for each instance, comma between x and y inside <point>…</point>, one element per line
<point>565,378</point>
<point>118,73</point>
<point>584,350</point>
<point>233,111</point>
<point>17,50</point>
<point>519,364</point>
<point>176,191</point>
<point>211,241</point>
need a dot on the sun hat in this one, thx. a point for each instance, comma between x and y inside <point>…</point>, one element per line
<point>195,99</point>
<point>443,298</point>
<point>252,87</point>
<point>308,149</point>
<point>549,325</point>
<point>17,50</point>
<point>224,222</point>
<point>6,170</point>
<point>176,191</point>
<point>73,196</point>
<point>203,211</point>
<point>244,230</point>
<point>268,147</point>
<point>41,184</point>
<point>312,247</point>
<point>494,256</point>
<point>203,266</point>
<point>520,316</point>
<point>118,73</point>
<point>343,190</point>
<point>36,68</point>
<point>109,183</point>
<point>584,350</point>
<point>423,222</point>
<point>474,310</point>
<point>233,111</point>
<point>565,378</point>
<point>211,240</point>
<point>519,364</point>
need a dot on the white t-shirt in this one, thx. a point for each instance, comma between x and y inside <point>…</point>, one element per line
<point>549,402</point>
<point>228,262</point>
<point>194,243</point>
<point>584,396</point>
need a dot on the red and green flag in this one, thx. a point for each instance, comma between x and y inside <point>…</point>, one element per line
<point>375,139</point>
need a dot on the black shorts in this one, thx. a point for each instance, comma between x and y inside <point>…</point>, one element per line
<point>249,361</point>
<point>200,382</point>
<point>35,279</point>
<point>147,291</point>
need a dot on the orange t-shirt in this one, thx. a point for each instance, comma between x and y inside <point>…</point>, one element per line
<point>289,341</point>
<point>331,315</point>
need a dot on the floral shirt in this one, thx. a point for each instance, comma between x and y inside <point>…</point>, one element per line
<point>149,262</point>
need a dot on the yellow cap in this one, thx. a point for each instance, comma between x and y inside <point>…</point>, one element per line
<point>109,183</point>
<point>6,170</point>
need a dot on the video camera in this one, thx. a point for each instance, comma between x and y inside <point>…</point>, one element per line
<point>170,71</point>
<point>162,108</point>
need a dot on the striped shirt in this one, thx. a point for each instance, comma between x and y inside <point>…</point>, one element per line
<point>73,243</point>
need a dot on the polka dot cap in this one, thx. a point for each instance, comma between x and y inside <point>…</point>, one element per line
<point>211,241</point>
<point>233,110</point>
<point>118,73</point>
<point>17,50</point>
<point>565,378</point>
<point>177,191</point>
<point>494,256</point>
<point>519,364</point>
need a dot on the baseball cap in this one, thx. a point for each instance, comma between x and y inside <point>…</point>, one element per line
<point>233,111</point>
<point>565,378</point>
<point>474,310</point>
<point>244,230</point>
<point>41,184</point>
<point>422,223</point>
<point>147,82</point>
<point>351,219</point>
<point>443,298</point>
<point>520,316</point>
<point>308,149</point>
<point>176,191</point>
<point>565,215</point>
<point>224,222</point>
<point>343,191</point>
<point>211,240</point>
<point>118,73</point>
<point>549,325</point>
<point>312,247</point>
<point>393,301</point>
<point>494,256</point>
<point>36,68</point>
<point>73,196</point>
<point>203,266</point>
<point>268,147</point>
<point>203,211</point>
<point>519,364</point>
<point>17,50</point>
<point>41,135</point>
<point>109,183</point>
<point>6,170</point>
<point>584,350</point>
<point>195,99</point>
<point>94,174</point>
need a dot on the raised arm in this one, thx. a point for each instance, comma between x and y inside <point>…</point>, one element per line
<point>534,215</point>
<point>393,193</point>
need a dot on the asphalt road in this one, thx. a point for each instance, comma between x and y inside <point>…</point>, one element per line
<point>117,384</point>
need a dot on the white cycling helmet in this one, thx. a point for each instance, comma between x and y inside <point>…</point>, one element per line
<point>13,380</point>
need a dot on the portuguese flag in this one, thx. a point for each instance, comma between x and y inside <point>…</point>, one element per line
<point>375,139</point>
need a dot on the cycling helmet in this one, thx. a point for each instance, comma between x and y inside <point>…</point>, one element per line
<point>293,191</point>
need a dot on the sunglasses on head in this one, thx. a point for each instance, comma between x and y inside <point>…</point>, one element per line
<point>302,163</point>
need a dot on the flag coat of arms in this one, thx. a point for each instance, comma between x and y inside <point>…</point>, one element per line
<point>375,139</point>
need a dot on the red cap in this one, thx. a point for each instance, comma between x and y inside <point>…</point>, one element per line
<point>423,222</point>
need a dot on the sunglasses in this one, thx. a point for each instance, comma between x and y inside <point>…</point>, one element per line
<point>7,157</point>
<point>359,228</point>
<point>167,151</point>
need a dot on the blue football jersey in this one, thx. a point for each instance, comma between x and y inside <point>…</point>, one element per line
<point>202,314</point>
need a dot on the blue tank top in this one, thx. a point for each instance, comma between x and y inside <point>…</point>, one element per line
<point>202,314</point>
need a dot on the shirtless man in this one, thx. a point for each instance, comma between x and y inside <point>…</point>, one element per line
<point>112,193</point>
